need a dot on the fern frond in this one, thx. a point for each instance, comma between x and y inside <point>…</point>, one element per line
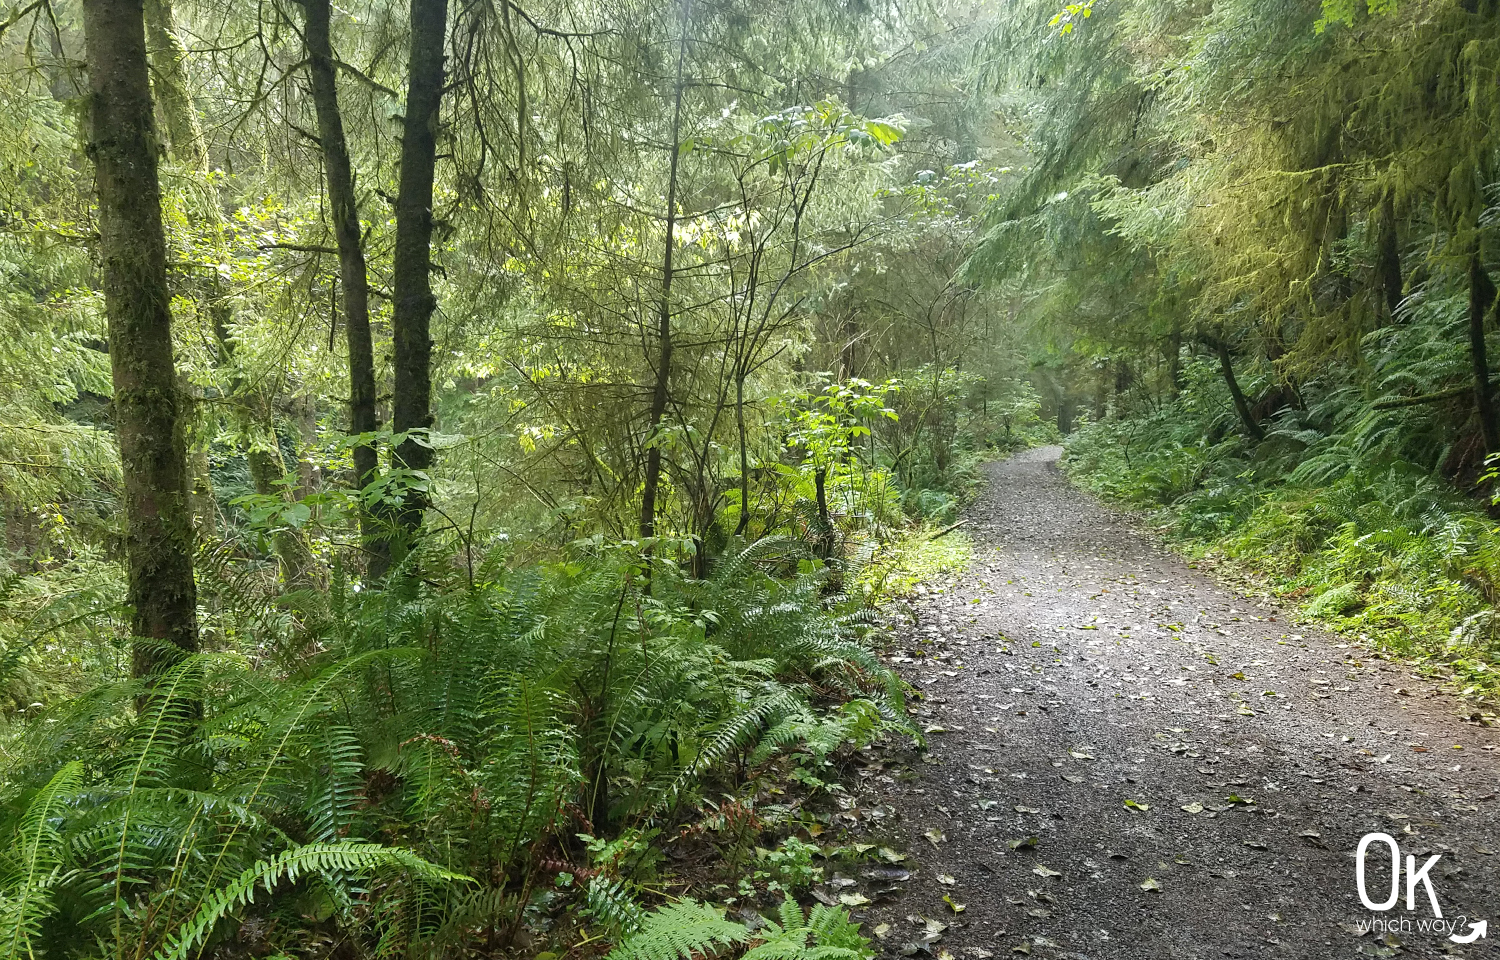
<point>28,898</point>
<point>680,931</point>
<point>289,865</point>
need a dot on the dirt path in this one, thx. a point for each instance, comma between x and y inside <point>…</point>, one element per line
<point>1078,667</point>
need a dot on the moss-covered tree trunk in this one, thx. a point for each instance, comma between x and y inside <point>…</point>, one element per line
<point>411,409</point>
<point>1481,300</point>
<point>651,482</point>
<point>174,93</point>
<point>1241,405</point>
<point>268,474</point>
<point>353,272</point>
<point>148,406</point>
<point>1389,257</point>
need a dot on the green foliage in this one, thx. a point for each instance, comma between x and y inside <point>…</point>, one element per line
<point>789,867</point>
<point>1375,544</point>
<point>461,725</point>
<point>825,933</point>
<point>1344,11</point>
<point>681,931</point>
<point>322,858</point>
<point>688,930</point>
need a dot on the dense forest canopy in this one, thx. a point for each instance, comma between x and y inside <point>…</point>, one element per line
<point>451,448</point>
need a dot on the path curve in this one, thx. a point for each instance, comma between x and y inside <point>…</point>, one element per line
<point>1078,666</point>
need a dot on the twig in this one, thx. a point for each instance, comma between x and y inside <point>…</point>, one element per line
<point>947,530</point>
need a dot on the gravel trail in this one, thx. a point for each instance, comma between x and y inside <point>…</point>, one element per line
<point>1130,760</point>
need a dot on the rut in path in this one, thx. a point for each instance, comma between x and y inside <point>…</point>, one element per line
<point>1079,666</point>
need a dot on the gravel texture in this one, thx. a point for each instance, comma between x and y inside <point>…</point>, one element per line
<point>1079,669</point>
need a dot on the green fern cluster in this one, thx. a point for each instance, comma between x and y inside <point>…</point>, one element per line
<point>689,930</point>
<point>432,732</point>
<point>1345,501</point>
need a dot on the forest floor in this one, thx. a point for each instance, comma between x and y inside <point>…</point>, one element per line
<point>1128,759</point>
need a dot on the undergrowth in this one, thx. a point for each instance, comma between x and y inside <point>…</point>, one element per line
<point>435,765</point>
<point>1332,511</point>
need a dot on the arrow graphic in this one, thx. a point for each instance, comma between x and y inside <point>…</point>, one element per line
<point>1477,929</point>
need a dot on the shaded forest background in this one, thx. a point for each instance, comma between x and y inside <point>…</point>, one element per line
<point>452,452</point>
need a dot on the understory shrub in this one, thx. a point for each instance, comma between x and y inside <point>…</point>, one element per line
<point>1371,543</point>
<point>423,770</point>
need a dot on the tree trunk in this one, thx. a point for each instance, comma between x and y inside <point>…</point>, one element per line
<point>353,272</point>
<point>174,93</point>
<point>1174,360</point>
<point>652,480</point>
<point>744,444</point>
<point>1241,405</point>
<point>1101,392</point>
<point>1389,257</point>
<point>268,475</point>
<point>412,268</point>
<point>147,403</point>
<point>1481,299</point>
<point>824,547</point>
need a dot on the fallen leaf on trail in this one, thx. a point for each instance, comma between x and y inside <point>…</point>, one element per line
<point>933,929</point>
<point>1235,798</point>
<point>1039,913</point>
<point>988,804</point>
<point>882,931</point>
<point>979,953</point>
<point>891,856</point>
<point>853,899</point>
<point>1029,843</point>
<point>935,729</point>
<point>1022,948</point>
<point>953,905</point>
<point>1137,806</point>
<point>1150,885</point>
<point>1021,809</point>
<point>1045,871</point>
<point>1418,749</point>
<point>1080,755</point>
<point>887,874</point>
<point>1237,675</point>
<point>1072,779</point>
<point>1193,808</point>
<point>1256,845</point>
<point>946,880</point>
<point>935,836</point>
